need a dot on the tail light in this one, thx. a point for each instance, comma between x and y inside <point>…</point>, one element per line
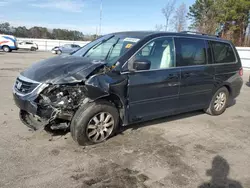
<point>241,72</point>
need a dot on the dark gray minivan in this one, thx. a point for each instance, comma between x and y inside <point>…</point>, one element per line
<point>128,77</point>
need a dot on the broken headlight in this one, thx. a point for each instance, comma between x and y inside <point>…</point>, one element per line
<point>65,97</point>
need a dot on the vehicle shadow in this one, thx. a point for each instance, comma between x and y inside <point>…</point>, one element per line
<point>248,84</point>
<point>22,52</point>
<point>219,175</point>
<point>137,126</point>
<point>231,103</point>
<point>56,132</point>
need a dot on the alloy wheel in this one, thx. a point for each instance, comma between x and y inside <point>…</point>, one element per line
<point>220,101</point>
<point>100,127</point>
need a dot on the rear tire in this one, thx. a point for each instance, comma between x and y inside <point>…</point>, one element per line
<point>6,49</point>
<point>90,125</point>
<point>219,102</point>
<point>32,49</point>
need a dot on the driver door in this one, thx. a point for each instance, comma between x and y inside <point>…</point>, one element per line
<point>154,93</point>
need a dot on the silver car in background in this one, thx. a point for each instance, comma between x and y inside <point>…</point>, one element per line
<point>66,49</point>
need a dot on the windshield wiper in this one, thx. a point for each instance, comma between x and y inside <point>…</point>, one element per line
<point>96,45</point>
<point>111,49</point>
<point>104,40</point>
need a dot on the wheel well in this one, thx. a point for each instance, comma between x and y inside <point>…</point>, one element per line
<point>116,101</point>
<point>229,89</point>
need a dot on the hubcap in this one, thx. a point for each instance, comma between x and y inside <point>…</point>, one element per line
<point>220,101</point>
<point>100,127</point>
<point>5,49</point>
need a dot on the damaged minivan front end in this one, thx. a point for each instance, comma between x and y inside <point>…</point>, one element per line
<point>52,97</point>
<point>84,92</point>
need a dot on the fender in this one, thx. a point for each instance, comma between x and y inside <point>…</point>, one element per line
<point>103,85</point>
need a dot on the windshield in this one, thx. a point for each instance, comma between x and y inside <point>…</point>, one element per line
<point>108,48</point>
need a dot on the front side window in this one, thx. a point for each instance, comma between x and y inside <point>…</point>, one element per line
<point>190,52</point>
<point>160,53</point>
<point>223,52</point>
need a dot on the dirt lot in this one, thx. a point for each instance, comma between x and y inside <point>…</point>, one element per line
<point>176,151</point>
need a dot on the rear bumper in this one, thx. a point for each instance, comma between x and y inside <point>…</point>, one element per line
<point>236,87</point>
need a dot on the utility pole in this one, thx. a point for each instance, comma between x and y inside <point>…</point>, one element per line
<point>100,24</point>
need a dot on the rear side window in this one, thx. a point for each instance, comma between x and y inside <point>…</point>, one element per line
<point>223,52</point>
<point>190,52</point>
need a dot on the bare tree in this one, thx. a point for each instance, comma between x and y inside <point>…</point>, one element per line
<point>158,27</point>
<point>168,11</point>
<point>180,18</point>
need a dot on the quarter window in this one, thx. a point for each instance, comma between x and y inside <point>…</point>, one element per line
<point>223,52</point>
<point>190,52</point>
<point>160,52</point>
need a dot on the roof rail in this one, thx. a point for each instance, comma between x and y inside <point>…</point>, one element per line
<point>198,33</point>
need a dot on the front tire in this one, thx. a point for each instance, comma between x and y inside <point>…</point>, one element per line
<point>219,102</point>
<point>94,123</point>
<point>6,49</point>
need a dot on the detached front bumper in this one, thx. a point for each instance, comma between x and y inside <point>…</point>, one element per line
<point>25,93</point>
<point>25,103</point>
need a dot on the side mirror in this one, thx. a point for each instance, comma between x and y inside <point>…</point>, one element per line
<point>141,64</point>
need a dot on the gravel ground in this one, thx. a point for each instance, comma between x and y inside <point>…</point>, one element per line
<point>188,150</point>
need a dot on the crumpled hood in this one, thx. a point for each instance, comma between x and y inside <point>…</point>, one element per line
<point>62,69</point>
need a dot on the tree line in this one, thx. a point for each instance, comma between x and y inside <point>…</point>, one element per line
<point>44,33</point>
<point>228,19</point>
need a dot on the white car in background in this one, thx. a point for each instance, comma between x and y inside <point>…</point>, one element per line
<point>28,46</point>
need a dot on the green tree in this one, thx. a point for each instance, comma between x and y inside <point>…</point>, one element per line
<point>234,16</point>
<point>39,32</point>
<point>5,28</point>
<point>21,31</point>
<point>228,17</point>
<point>42,32</point>
<point>202,14</point>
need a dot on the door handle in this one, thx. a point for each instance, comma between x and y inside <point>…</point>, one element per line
<point>186,75</point>
<point>173,84</point>
<point>172,76</point>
